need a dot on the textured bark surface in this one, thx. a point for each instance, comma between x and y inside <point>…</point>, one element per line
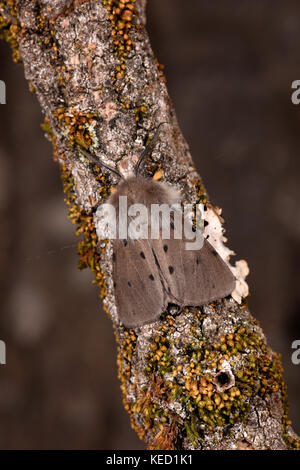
<point>204,379</point>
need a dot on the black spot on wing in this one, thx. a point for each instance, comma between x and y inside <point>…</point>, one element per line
<point>165,248</point>
<point>142,254</point>
<point>125,242</point>
<point>171,269</point>
<point>129,283</point>
<point>151,277</point>
<point>114,257</point>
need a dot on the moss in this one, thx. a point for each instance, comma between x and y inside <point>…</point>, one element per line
<point>166,438</point>
<point>159,359</point>
<point>200,192</point>
<point>259,372</point>
<point>291,442</point>
<point>10,31</point>
<point>43,30</point>
<point>191,383</point>
<point>121,14</point>
<point>88,246</point>
<point>191,430</point>
<point>46,127</point>
<point>160,68</point>
<point>126,349</point>
<point>77,126</point>
<point>140,112</point>
<point>45,33</point>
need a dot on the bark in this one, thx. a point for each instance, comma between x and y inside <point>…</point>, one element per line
<point>204,379</point>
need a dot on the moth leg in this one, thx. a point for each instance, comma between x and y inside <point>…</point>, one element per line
<point>92,159</point>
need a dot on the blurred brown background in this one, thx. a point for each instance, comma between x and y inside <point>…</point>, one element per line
<point>229,66</point>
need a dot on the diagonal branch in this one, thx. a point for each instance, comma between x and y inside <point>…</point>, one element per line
<point>204,379</point>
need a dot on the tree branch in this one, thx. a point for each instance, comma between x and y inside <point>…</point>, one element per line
<point>205,379</point>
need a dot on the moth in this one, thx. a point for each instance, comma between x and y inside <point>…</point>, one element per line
<point>151,273</point>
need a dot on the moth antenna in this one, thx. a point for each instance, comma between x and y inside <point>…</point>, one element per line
<point>92,159</point>
<point>148,149</point>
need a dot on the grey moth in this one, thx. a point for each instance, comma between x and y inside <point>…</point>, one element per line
<point>151,273</point>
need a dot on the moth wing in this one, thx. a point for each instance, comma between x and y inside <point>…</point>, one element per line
<point>193,277</point>
<point>139,293</point>
<point>210,272</point>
